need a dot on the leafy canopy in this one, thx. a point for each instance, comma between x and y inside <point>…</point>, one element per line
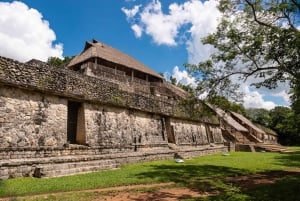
<point>255,39</point>
<point>58,62</point>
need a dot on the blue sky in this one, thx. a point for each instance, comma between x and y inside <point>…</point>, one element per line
<point>162,34</point>
<point>74,23</point>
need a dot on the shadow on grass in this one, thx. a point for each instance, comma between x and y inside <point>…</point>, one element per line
<point>211,179</point>
<point>204,177</point>
<point>287,189</point>
<point>289,159</point>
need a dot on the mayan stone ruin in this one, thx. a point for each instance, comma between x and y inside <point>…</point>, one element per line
<point>103,110</point>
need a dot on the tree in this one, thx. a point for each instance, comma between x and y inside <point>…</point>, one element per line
<point>173,80</point>
<point>284,122</point>
<point>255,39</point>
<point>224,104</point>
<point>260,116</point>
<point>58,62</point>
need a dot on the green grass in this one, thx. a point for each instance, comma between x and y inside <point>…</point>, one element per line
<point>203,173</point>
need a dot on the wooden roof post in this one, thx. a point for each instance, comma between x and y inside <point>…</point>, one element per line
<point>95,62</point>
<point>132,75</point>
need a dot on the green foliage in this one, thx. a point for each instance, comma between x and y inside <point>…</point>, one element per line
<point>282,120</point>
<point>260,116</point>
<point>57,62</point>
<point>226,105</point>
<point>173,80</point>
<point>256,39</point>
<point>285,123</point>
<point>117,100</point>
<point>186,87</point>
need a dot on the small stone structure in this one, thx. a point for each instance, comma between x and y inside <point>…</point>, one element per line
<point>239,132</point>
<point>58,122</point>
<point>263,135</point>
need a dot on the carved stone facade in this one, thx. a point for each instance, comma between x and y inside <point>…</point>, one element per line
<point>30,119</point>
<point>58,122</point>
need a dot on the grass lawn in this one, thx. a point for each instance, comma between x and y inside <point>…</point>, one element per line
<point>205,173</point>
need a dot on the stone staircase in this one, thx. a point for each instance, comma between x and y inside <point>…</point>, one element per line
<point>61,165</point>
<point>261,147</point>
<point>271,147</point>
<point>68,165</point>
<point>186,152</point>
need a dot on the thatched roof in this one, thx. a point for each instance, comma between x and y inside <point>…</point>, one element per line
<point>103,51</point>
<point>247,122</point>
<point>227,118</point>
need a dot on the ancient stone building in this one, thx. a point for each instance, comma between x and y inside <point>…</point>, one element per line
<point>105,110</point>
<point>240,134</point>
<point>259,132</point>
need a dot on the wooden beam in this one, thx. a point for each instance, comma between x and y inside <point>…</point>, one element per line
<point>132,75</point>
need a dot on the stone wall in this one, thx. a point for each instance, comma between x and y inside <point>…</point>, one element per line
<point>189,133</point>
<point>271,139</point>
<point>114,126</point>
<point>70,84</point>
<point>30,119</point>
<point>216,133</point>
<point>122,129</point>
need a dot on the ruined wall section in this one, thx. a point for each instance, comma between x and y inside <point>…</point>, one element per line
<point>189,133</point>
<point>29,119</point>
<point>122,129</point>
<point>70,84</point>
<point>216,133</point>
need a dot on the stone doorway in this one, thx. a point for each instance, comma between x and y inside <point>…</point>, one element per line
<point>170,131</point>
<point>76,123</point>
<point>209,134</point>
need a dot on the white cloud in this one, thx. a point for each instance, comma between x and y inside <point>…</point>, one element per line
<point>130,13</point>
<point>284,95</point>
<point>193,18</point>
<point>190,22</point>
<point>137,30</point>
<point>183,77</point>
<point>253,99</point>
<point>24,34</point>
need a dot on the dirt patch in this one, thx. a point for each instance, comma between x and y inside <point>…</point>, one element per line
<point>168,192</point>
<point>164,194</point>
<point>253,181</point>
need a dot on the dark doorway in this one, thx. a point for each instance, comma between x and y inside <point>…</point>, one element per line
<point>75,125</point>
<point>209,134</point>
<point>170,131</point>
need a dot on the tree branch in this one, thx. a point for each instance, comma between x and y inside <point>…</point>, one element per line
<point>296,4</point>
<point>287,16</point>
<point>255,16</point>
<point>245,74</point>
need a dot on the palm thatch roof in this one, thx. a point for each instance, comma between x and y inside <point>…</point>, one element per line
<point>100,50</point>
<point>247,122</point>
<point>227,118</point>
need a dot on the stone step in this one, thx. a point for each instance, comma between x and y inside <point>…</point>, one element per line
<point>272,147</point>
<point>67,165</point>
<point>54,170</point>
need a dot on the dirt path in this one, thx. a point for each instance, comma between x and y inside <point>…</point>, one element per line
<point>167,191</point>
<point>149,192</point>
